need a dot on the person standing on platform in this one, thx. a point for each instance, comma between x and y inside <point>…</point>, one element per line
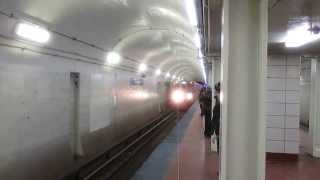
<point>216,115</point>
<point>207,104</point>
<point>201,99</point>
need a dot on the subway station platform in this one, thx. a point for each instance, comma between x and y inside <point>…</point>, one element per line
<point>185,154</point>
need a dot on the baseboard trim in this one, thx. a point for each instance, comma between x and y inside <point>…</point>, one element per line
<point>282,156</point>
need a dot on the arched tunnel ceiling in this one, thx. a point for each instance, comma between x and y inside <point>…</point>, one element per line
<point>155,32</point>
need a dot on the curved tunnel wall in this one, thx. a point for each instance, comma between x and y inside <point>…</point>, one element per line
<point>36,117</point>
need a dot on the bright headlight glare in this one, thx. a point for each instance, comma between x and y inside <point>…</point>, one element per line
<point>178,96</point>
<point>32,32</point>
<point>189,96</point>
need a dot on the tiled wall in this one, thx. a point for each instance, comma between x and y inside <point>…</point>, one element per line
<point>283,104</point>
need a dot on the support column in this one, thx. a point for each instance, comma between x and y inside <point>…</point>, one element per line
<point>314,122</point>
<point>244,56</point>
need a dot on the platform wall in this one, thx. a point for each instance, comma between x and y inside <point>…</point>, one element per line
<point>283,104</point>
<point>37,112</point>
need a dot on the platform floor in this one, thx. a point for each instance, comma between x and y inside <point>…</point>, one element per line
<point>185,154</point>
<point>305,167</point>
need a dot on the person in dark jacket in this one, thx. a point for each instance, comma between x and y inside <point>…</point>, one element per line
<point>216,114</point>
<point>201,99</point>
<point>206,108</point>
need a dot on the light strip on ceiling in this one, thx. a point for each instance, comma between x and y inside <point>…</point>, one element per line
<point>191,11</point>
<point>192,15</point>
<point>32,32</point>
<point>299,36</point>
<point>202,66</point>
<point>197,40</point>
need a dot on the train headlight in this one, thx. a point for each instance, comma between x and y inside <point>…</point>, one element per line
<point>189,96</point>
<point>177,96</point>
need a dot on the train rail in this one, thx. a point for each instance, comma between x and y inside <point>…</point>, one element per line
<point>107,164</point>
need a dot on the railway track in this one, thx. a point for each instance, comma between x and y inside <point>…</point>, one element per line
<point>108,164</point>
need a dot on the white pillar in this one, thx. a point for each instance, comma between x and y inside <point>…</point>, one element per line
<point>244,56</point>
<point>314,122</point>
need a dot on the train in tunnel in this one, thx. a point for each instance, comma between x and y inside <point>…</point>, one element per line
<point>76,76</point>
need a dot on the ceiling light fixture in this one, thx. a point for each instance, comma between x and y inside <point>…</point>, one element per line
<point>32,32</point>
<point>158,72</point>
<point>143,67</point>
<point>299,36</point>
<point>113,58</point>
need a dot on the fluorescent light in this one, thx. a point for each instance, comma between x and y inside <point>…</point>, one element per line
<point>158,72</point>
<point>203,70</point>
<point>174,77</point>
<point>200,54</point>
<point>197,40</point>
<point>202,66</point>
<point>168,75</point>
<point>32,32</point>
<point>113,58</point>
<point>143,67</point>
<point>300,36</point>
<point>192,15</point>
<point>191,11</point>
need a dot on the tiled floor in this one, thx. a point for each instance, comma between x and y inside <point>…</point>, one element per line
<point>305,168</point>
<point>184,155</point>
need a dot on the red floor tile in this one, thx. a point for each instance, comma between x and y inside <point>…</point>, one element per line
<point>196,162</point>
<point>194,159</point>
<point>305,168</point>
